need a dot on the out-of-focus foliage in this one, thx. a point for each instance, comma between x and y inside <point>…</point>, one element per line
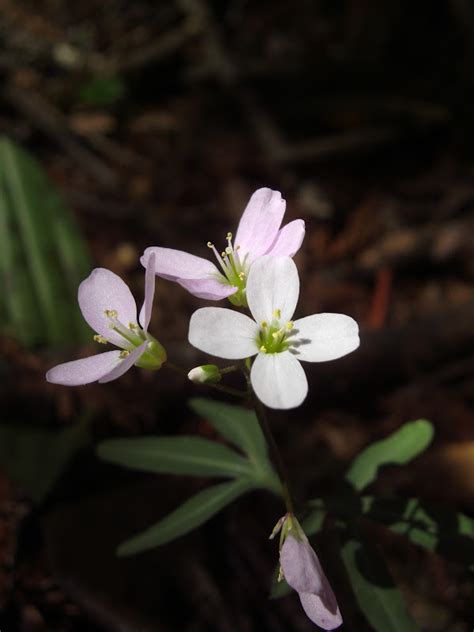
<point>195,456</point>
<point>101,91</point>
<point>42,255</point>
<point>34,458</point>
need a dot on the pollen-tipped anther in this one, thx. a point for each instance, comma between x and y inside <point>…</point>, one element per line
<point>276,313</point>
<point>111,313</point>
<point>100,339</point>
<point>124,354</point>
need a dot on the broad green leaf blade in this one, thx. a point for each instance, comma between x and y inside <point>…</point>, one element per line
<point>399,448</point>
<point>193,513</point>
<point>238,425</point>
<point>175,455</point>
<point>46,259</point>
<point>35,458</point>
<point>378,598</point>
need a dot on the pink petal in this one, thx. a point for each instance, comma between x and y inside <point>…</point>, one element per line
<point>259,223</point>
<point>145,312</point>
<point>84,371</point>
<point>289,239</point>
<point>322,609</point>
<point>176,265</point>
<point>104,290</point>
<point>125,364</point>
<point>209,289</point>
<point>301,566</point>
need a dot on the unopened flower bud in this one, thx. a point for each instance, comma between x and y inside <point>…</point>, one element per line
<point>205,374</point>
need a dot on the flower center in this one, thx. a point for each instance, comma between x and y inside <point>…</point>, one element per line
<point>134,336</point>
<point>274,337</point>
<point>234,270</point>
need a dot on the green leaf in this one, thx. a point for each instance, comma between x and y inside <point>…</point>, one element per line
<point>34,458</point>
<point>400,448</point>
<point>43,257</point>
<point>175,455</point>
<point>376,594</point>
<point>193,513</point>
<point>102,90</point>
<point>238,425</point>
<point>241,428</point>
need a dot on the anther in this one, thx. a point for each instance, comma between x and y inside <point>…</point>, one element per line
<point>133,326</point>
<point>111,313</point>
<point>241,276</point>
<point>263,349</point>
<point>210,244</point>
<point>276,313</point>
<point>264,324</point>
<point>100,339</point>
<point>228,250</point>
<point>229,236</point>
<point>124,354</point>
<point>289,325</point>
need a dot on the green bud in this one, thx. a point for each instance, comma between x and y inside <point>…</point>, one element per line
<point>205,374</point>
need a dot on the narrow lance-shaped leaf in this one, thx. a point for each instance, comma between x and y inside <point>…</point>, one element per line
<point>399,448</point>
<point>193,513</point>
<point>378,598</point>
<point>175,455</point>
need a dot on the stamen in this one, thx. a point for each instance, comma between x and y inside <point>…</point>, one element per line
<point>277,334</point>
<point>264,324</point>
<point>124,354</point>
<point>229,236</point>
<point>133,326</point>
<point>263,349</point>
<point>241,276</point>
<point>111,313</point>
<point>218,256</point>
<point>210,245</point>
<point>100,339</point>
<point>277,314</point>
<point>289,325</point>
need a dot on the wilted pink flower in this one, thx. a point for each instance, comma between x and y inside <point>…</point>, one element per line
<point>303,572</point>
<point>258,234</point>
<point>110,309</point>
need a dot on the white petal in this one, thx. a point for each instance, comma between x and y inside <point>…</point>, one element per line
<point>104,290</point>
<point>323,337</point>
<point>84,371</point>
<point>322,610</point>
<point>145,312</point>
<point>289,239</point>
<point>223,333</point>
<point>279,380</point>
<point>272,284</point>
<point>125,364</point>
<point>259,224</point>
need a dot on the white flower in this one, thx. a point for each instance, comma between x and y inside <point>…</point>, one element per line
<point>277,376</point>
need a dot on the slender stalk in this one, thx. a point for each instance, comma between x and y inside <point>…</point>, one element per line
<point>217,387</point>
<point>280,466</point>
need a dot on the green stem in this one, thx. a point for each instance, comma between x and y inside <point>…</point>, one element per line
<point>278,461</point>
<point>217,387</point>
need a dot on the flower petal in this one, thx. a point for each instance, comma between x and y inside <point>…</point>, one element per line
<point>176,264</point>
<point>279,380</point>
<point>145,312</point>
<point>209,289</point>
<point>125,364</point>
<point>259,223</point>
<point>322,609</point>
<point>223,333</point>
<point>104,290</point>
<point>84,371</point>
<point>323,337</point>
<point>272,284</point>
<point>300,565</point>
<point>289,239</point>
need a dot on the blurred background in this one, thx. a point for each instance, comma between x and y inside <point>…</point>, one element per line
<point>129,124</point>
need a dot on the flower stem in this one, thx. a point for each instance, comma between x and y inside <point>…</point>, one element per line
<point>217,387</point>
<point>278,461</point>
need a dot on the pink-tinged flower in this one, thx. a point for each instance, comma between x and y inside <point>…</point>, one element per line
<point>258,234</point>
<point>303,572</point>
<point>279,343</point>
<point>110,309</point>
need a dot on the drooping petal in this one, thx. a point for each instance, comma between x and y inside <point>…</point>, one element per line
<point>322,609</point>
<point>300,565</point>
<point>259,223</point>
<point>223,333</point>
<point>323,337</point>
<point>177,265</point>
<point>279,380</point>
<point>104,290</point>
<point>273,284</point>
<point>125,364</point>
<point>145,312</point>
<point>208,289</point>
<point>288,240</point>
<point>84,371</point>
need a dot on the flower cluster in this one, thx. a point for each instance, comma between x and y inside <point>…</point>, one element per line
<point>255,271</point>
